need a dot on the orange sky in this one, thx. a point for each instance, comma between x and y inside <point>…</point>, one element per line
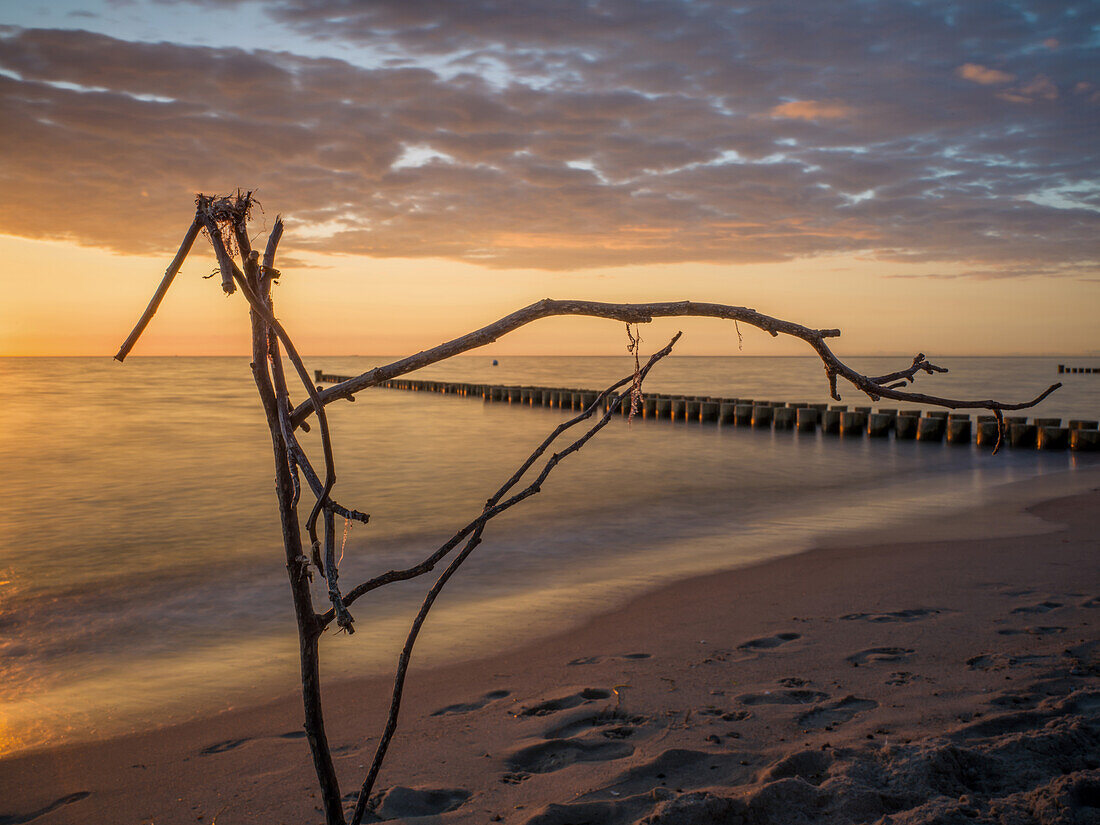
<point>62,299</point>
<point>923,176</point>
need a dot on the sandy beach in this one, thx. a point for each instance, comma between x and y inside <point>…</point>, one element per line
<point>915,679</point>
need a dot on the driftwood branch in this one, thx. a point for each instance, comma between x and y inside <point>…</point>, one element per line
<point>494,506</point>
<point>162,290</point>
<point>644,313</point>
<point>225,221</point>
<point>259,306</point>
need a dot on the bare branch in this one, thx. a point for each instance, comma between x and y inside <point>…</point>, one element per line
<point>208,215</point>
<point>343,618</point>
<point>162,290</point>
<point>475,539</point>
<point>225,221</point>
<point>296,454</point>
<point>493,507</point>
<point>269,273</point>
<point>644,313</point>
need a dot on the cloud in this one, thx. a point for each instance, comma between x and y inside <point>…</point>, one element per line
<point>1004,273</point>
<point>811,110</point>
<point>572,134</point>
<point>982,75</point>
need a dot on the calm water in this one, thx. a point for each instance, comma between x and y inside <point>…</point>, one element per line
<point>141,573</point>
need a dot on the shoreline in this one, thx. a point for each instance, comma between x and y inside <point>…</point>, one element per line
<point>252,765</point>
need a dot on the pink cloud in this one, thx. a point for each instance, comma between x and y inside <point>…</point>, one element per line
<point>1041,88</point>
<point>812,110</point>
<point>983,75</point>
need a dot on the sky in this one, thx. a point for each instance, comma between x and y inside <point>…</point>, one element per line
<point>922,175</point>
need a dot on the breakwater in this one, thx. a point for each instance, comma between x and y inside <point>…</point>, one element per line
<point>929,426</point>
<point>1064,370</point>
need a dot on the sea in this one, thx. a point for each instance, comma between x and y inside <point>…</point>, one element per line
<point>142,577</point>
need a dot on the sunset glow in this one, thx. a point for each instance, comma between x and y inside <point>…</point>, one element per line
<point>927,162</point>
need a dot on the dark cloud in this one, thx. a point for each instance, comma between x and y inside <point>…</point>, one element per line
<point>567,134</point>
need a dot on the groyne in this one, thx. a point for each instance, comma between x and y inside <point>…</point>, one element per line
<point>929,426</point>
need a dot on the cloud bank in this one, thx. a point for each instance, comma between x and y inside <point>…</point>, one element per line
<point>563,134</point>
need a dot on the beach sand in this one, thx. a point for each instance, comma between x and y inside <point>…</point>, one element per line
<point>918,678</point>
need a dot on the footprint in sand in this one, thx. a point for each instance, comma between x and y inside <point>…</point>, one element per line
<point>222,747</point>
<point>901,677</point>
<point>19,819</point>
<point>233,744</point>
<point>1085,657</point>
<point>910,615</point>
<point>681,768</point>
<point>769,642</point>
<point>555,754</point>
<point>1041,607</point>
<point>476,704</point>
<point>880,654</point>
<point>638,790</point>
<point>592,660</point>
<point>835,713</point>
<point>400,802</point>
<point>810,766</point>
<point>611,724</point>
<point>998,661</point>
<point>782,697</point>
<point>604,812</point>
<point>1015,701</point>
<point>565,702</point>
<point>1033,631</point>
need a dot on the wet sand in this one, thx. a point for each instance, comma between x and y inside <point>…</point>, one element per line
<point>918,678</point>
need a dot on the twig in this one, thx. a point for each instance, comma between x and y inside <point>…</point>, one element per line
<point>634,348</point>
<point>920,363</point>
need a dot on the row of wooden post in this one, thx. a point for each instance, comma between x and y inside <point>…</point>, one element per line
<point>1063,369</point>
<point>929,426</point>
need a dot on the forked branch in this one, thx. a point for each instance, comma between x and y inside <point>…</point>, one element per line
<point>644,313</point>
<point>225,221</point>
<point>493,507</point>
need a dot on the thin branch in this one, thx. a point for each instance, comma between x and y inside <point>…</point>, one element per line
<point>472,543</point>
<point>269,273</point>
<point>920,364</point>
<point>875,391</point>
<point>162,290</point>
<point>493,507</point>
<point>225,262</point>
<point>343,618</point>
<point>296,453</point>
